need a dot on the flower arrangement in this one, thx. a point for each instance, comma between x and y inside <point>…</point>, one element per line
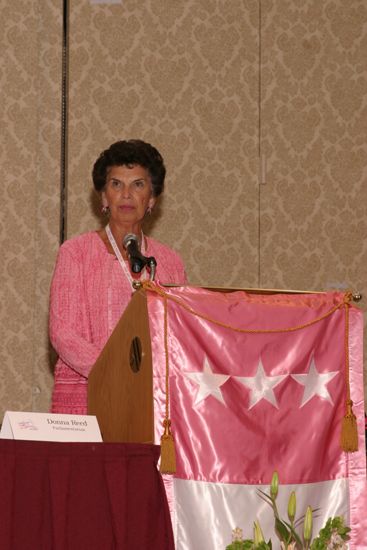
<point>333,536</point>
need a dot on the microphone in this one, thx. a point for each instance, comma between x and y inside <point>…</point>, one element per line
<point>136,258</point>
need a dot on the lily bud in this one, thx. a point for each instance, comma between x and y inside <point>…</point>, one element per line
<point>292,506</point>
<point>307,527</point>
<point>274,485</point>
<point>258,534</point>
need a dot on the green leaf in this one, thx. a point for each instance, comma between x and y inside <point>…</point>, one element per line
<point>241,545</point>
<point>294,533</point>
<point>265,496</point>
<point>281,528</point>
<point>332,524</point>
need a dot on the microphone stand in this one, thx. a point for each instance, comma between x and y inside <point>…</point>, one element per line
<point>152,264</point>
<point>138,263</point>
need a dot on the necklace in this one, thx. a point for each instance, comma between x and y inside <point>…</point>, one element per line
<point>122,263</point>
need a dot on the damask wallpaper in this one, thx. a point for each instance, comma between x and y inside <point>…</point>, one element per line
<point>313,134</point>
<point>29,154</point>
<point>233,94</point>
<point>183,76</point>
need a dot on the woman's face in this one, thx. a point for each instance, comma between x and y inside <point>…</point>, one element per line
<point>128,193</point>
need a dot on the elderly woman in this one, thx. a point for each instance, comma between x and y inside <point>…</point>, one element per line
<point>92,282</point>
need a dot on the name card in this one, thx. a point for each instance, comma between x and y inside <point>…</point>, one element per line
<point>50,427</point>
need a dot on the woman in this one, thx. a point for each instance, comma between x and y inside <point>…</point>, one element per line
<point>92,282</point>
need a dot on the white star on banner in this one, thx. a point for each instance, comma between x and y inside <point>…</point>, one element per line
<point>261,386</point>
<point>209,383</point>
<point>314,383</point>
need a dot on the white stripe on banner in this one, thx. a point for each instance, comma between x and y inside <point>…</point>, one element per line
<point>206,513</point>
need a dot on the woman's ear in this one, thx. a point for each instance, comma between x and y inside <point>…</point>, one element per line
<point>152,202</point>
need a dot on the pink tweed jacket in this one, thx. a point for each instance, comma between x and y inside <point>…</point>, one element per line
<point>89,293</point>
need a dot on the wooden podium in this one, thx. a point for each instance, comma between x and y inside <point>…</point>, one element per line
<point>120,386</point>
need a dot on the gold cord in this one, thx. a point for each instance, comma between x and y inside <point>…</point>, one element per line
<point>148,285</point>
<point>168,452</point>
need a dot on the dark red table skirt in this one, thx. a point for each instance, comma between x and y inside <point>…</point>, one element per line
<point>82,496</point>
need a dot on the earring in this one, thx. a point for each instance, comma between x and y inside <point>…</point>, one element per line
<point>149,210</point>
<point>105,209</point>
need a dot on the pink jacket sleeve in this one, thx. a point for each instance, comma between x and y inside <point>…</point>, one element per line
<point>171,268</point>
<point>68,322</point>
<point>179,276</point>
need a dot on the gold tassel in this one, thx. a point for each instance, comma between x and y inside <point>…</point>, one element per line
<point>349,434</point>
<point>168,451</point>
<point>349,431</point>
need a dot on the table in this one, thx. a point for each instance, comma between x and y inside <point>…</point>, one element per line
<point>82,496</point>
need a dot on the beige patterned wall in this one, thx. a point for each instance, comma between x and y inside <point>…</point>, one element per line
<point>314,137</point>
<point>29,156</point>
<point>215,86</point>
<point>314,123</point>
<point>184,76</point>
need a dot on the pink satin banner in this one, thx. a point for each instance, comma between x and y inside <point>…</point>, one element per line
<point>244,405</point>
